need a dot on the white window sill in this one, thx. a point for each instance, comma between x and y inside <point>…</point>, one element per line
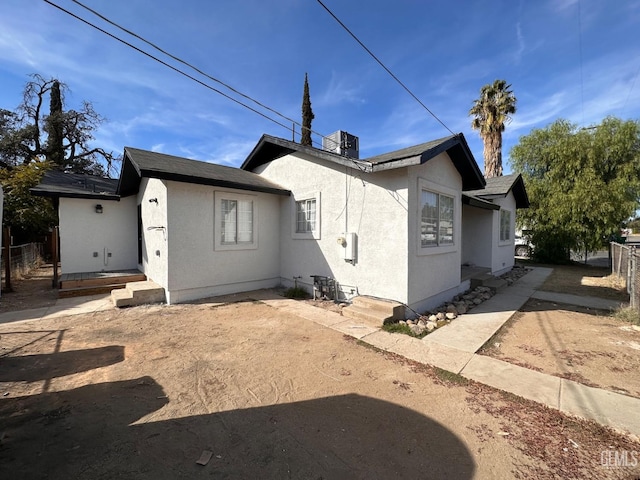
<point>422,251</point>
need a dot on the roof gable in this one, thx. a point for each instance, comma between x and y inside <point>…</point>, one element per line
<point>271,148</point>
<point>142,163</point>
<point>499,187</point>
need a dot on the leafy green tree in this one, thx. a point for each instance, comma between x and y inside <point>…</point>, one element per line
<point>583,184</point>
<point>28,215</point>
<point>307,114</point>
<point>63,136</point>
<point>490,112</point>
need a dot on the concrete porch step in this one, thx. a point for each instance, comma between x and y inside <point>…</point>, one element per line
<point>138,293</point>
<point>374,310</point>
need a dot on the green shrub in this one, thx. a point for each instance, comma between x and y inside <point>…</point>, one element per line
<point>295,292</point>
<point>401,328</point>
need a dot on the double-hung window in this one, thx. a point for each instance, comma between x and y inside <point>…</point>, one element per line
<point>505,225</point>
<point>235,224</point>
<point>437,222</point>
<point>306,216</point>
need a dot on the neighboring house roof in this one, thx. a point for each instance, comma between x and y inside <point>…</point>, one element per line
<point>270,148</point>
<point>499,187</point>
<point>142,163</point>
<point>58,184</point>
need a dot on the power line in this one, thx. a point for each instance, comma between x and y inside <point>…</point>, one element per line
<point>165,63</point>
<point>384,66</point>
<point>190,76</point>
<point>177,59</point>
<point>182,72</point>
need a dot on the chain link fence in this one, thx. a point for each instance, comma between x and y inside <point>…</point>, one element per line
<point>625,261</point>
<point>24,258</point>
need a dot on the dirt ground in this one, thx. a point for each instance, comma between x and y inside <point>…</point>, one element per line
<point>580,344</point>
<point>143,392</point>
<point>585,280</point>
<point>34,290</point>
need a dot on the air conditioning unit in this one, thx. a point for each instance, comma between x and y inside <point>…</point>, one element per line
<point>342,143</point>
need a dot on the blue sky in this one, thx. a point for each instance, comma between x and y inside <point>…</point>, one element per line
<point>572,59</point>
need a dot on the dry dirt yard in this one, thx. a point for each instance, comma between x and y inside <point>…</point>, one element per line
<point>143,392</point>
<point>581,344</point>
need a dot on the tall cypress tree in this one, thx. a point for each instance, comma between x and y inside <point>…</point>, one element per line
<point>54,127</point>
<point>307,114</point>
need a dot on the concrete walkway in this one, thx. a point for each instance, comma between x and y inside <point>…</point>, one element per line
<point>452,348</point>
<point>62,308</point>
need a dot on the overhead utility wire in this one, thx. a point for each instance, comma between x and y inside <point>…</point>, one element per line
<point>193,67</point>
<point>166,64</point>
<point>189,76</point>
<point>384,66</point>
<point>177,59</point>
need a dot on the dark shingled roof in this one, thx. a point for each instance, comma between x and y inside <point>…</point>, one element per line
<point>142,163</point>
<point>270,148</point>
<point>58,184</point>
<point>499,187</point>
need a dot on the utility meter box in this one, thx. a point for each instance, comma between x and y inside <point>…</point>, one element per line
<point>350,246</point>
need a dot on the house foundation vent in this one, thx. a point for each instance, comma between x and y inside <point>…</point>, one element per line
<point>342,143</point>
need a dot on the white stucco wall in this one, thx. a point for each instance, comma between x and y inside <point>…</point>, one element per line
<point>477,236</point>
<point>373,206</point>
<point>85,233</point>
<point>198,268</point>
<point>155,250</point>
<point>503,252</point>
<point>433,272</point>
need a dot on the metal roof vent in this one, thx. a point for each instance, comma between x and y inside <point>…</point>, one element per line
<point>342,143</point>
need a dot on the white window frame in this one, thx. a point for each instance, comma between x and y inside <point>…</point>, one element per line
<point>306,197</point>
<point>440,190</point>
<point>509,238</point>
<point>218,216</point>
<point>307,208</point>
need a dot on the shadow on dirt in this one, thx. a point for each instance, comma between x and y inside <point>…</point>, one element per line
<point>31,368</point>
<point>90,432</point>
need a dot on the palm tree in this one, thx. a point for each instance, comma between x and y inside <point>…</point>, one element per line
<point>490,113</point>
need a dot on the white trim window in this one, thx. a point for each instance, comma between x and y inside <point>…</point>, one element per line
<point>505,225</point>
<point>306,216</point>
<point>235,226</point>
<point>437,219</point>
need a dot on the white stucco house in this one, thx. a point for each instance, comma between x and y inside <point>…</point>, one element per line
<point>397,226</point>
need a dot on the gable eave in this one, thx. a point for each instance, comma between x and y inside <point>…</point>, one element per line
<point>271,148</point>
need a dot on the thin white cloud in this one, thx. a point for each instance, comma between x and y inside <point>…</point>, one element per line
<point>520,42</point>
<point>340,89</point>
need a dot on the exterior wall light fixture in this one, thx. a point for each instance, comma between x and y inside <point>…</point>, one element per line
<point>98,208</point>
<point>153,200</point>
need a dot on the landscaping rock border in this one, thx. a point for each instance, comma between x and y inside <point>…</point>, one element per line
<point>459,305</point>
